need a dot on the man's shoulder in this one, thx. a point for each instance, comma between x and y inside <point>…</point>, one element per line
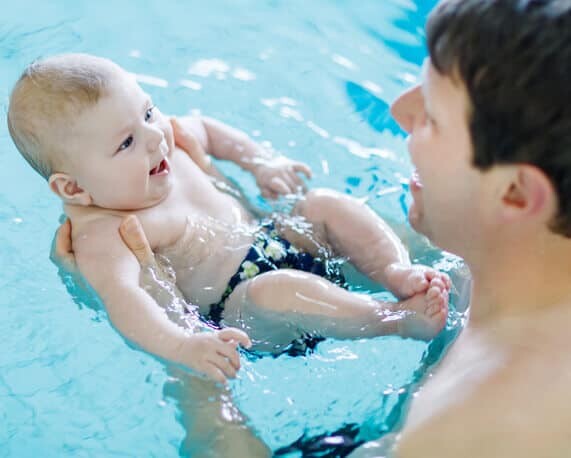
<point>510,398</point>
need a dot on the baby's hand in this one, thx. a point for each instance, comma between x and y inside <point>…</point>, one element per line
<point>405,280</point>
<point>279,176</point>
<point>215,353</point>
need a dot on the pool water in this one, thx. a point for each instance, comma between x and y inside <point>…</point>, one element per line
<point>310,79</point>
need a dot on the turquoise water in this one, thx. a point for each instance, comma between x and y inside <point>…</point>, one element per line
<point>310,79</point>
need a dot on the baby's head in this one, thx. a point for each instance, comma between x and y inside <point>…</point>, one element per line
<point>46,99</point>
<point>86,126</point>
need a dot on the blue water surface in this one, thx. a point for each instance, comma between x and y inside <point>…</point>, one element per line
<point>311,79</point>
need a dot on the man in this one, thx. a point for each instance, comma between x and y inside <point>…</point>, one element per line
<point>490,137</point>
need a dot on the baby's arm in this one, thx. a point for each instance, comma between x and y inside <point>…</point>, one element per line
<point>137,316</point>
<point>275,175</point>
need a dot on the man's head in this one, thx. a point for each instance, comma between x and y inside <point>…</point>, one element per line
<point>87,127</point>
<point>494,106</point>
<point>514,59</point>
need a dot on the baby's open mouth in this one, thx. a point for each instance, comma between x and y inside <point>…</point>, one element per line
<point>163,167</point>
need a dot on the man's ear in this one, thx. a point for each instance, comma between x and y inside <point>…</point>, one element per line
<point>66,187</point>
<point>529,193</point>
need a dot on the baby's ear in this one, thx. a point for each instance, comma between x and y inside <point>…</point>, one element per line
<point>66,187</point>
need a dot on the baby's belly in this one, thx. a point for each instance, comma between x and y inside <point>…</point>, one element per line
<point>205,259</point>
<point>205,283</point>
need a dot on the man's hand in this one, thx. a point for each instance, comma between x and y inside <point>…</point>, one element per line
<point>62,250</point>
<point>280,176</point>
<point>190,145</point>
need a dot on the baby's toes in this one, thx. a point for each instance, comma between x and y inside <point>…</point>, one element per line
<point>438,283</point>
<point>437,301</point>
<point>432,274</point>
<point>446,280</point>
<point>417,282</point>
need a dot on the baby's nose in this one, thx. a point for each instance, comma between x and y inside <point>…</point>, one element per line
<point>154,138</point>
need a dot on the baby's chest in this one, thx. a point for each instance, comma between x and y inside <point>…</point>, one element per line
<point>164,227</point>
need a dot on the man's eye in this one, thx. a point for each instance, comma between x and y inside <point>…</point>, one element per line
<point>128,142</point>
<point>149,114</point>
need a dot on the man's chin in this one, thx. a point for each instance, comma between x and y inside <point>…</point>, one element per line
<point>415,218</point>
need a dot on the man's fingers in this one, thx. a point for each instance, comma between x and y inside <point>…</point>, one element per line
<point>63,249</point>
<point>182,138</point>
<point>134,237</point>
<point>190,144</point>
<point>63,239</point>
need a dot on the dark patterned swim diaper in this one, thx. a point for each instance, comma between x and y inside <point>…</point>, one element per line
<point>269,252</point>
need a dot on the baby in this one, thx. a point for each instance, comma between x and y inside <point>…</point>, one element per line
<point>88,128</point>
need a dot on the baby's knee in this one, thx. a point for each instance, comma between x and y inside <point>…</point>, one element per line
<point>271,290</point>
<point>263,289</point>
<point>320,202</point>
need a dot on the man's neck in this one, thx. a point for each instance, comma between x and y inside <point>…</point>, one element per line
<point>520,279</point>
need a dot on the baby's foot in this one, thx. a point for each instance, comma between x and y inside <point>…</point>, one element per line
<point>424,314</point>
<point>405,280</point>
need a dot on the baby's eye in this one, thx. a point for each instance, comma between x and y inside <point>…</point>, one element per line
<point>128,142</point>
<point>149,114</point>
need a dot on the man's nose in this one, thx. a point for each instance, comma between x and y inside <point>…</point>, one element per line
<point>406,107</point>
<point>154,137</point>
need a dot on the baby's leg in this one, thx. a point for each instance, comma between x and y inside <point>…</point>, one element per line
<point>213,425</point>
<point>279,306</point>
<point>356,232</point>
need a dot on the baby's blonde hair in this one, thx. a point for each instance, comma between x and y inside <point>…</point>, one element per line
<point>48,96</point>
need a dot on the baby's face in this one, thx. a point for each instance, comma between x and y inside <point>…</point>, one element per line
<point>120,148</point>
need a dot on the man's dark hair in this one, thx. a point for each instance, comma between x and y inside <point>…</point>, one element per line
<point>514,58</point>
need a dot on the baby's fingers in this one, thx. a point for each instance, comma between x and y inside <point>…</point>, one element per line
<point>226,365</point>
<point>278,186</point>
<point>228,351</point>
<point>268,194</point>
<point>213,371</point>
<point>298,182</point>
<point>300,167</point>
<point>236,335</point>
<point>291,180</point>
